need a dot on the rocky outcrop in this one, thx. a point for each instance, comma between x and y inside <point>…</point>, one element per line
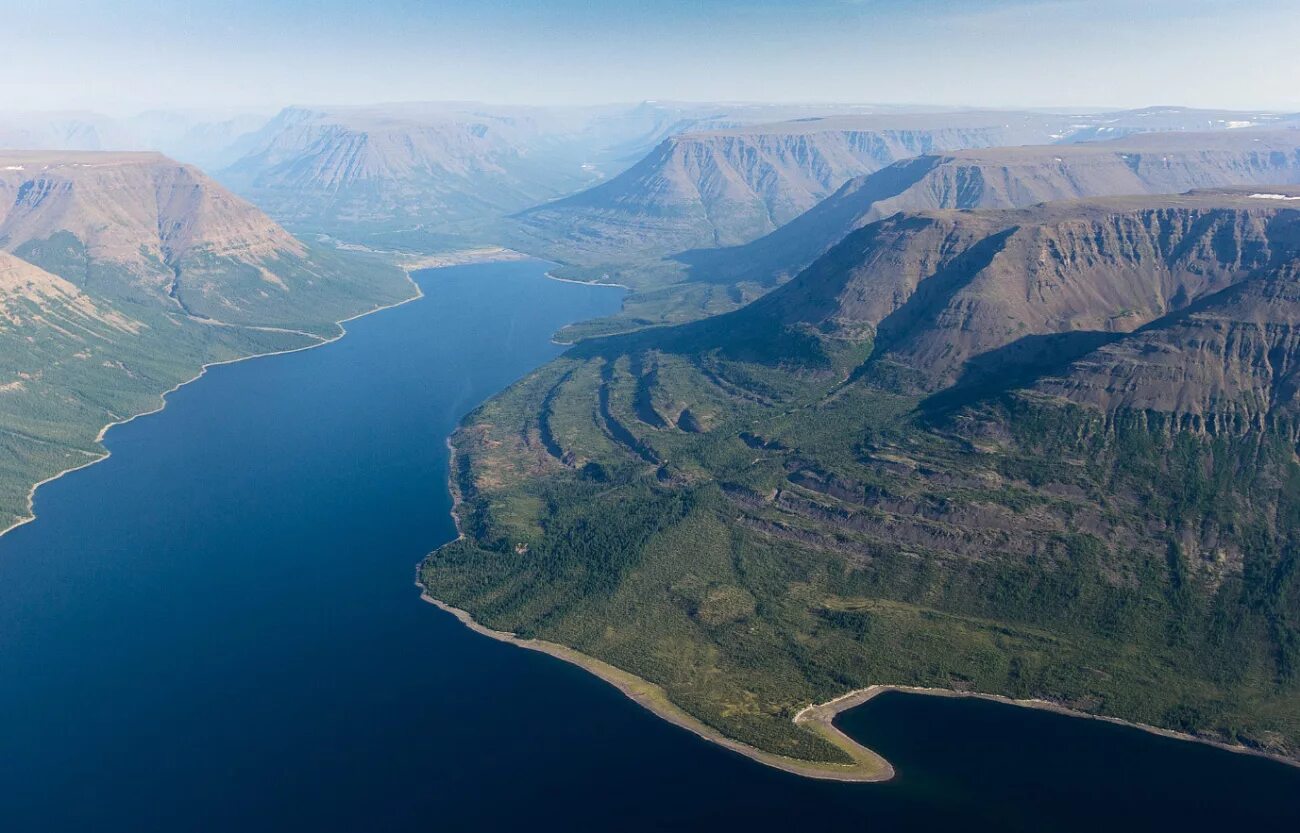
<point>130,208</point>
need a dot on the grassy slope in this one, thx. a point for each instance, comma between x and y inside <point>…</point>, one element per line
<point>76,380</point>
<point>755,539</point>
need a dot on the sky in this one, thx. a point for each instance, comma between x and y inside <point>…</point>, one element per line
<point>122,56</point>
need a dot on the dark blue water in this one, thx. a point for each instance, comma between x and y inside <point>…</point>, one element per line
<point>216,629</point>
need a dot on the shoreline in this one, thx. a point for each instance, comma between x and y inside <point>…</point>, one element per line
<point>868,767</point>
<point>411,262</point>
<point>858,697</point>
<point>554,277</point>
<point>549,275</point>
<point>103,431</point>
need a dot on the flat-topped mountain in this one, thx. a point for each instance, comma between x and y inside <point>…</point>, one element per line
<point>380,168</point>
<point>966,296</point>
<point>1045,452</point>
<point>1160,163</point>
<point>724,187</point>
<point>712,188</point>
<point>437,167</point>
<point>130,207</point>
<point>141,226</point>
<point>121,276</point>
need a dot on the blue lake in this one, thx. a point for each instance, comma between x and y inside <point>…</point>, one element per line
<point>217,629</point>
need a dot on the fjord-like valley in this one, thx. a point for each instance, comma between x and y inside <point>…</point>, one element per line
<point>984,403</point>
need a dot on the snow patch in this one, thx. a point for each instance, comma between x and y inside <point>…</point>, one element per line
<point>1273,197</point>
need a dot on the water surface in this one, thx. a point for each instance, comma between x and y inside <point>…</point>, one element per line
<point>216,629</point>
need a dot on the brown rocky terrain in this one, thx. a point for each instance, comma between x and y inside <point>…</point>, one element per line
<point>955,296</point>
<point>725,187</point>
<point>1155,163</point>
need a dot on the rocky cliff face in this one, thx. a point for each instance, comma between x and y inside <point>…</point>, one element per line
<point>131,208</point>
<point>139,225</point>
<point>966,297</point>
<point>706,189</point>
<point>1007,178</point>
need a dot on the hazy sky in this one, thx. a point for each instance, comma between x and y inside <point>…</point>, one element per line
<point>119,56</point>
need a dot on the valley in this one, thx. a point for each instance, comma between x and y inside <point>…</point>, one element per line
<point>992,403</point>
<point>729,416</point>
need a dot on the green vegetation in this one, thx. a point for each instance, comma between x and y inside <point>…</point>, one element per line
<point>67,370</point>
<point>746,530</point>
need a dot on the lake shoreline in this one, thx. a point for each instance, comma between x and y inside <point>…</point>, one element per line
<point>858,697</point>
<point>554,277</point>
<point>99,437</point>
<point>868,767</point>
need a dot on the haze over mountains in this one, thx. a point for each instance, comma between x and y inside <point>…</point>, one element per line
<point>724,188</point>
<point>439,168</point>
<point>210,141</point>
<point>424,167</point>
<point>1158,163</point>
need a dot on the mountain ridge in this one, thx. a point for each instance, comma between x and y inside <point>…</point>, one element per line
<point>1008,178</point>
<point>950,453</point>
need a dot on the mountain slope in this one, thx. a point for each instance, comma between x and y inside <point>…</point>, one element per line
<point>422,171</point>
<point>1010,178</point>
<point>711,188</point>
<point>1043,452</point>
<point>725,187</point>
<point>121,276</point>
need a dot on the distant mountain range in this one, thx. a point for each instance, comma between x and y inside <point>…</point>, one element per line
<point>121,276</point>
<point>380,170</point>
<point>447,168</point>
<point>1156,163</point>
<point>664,177</point>
<point>707,189</point>
<point>210,141</point>
<point>1045,452</point>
